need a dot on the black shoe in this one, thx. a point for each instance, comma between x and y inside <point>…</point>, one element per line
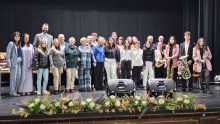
<point>56,92</point>
<point>81,90</point>
<point>183,90</point>
<point>137,88</point>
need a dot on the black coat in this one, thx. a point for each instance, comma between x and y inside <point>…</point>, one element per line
<point>41,60</point>
<point>190,50</point>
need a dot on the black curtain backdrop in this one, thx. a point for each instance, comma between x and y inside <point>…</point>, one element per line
<point>139,18</point>
<point>80,18</point>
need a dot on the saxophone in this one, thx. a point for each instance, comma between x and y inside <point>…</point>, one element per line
<point>183,68</point>
<point>159,64</point>
<point>170,72</point>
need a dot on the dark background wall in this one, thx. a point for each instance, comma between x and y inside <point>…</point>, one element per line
<point>141,18</point>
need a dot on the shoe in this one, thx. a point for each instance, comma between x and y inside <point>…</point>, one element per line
<point>137,88</point>
<point>45,92</point>
<point>183,90</point>
<point>15,95</point>
<point>145,88</point>
<point>81,90</point>
<point>67,90</point>
<point>56,92</point>
<point>28,93</point>
<point>23,93</point>
<point>89,90</point>
<point>72,90</point>
<point>38,92</point>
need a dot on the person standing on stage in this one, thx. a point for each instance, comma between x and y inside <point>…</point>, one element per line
<point>99,54</point>
<point>148,63</point>
<point>112,58</point>
<point>72,55</point>
<point>172,53</point>
<point>186,48</point>
<point>94,40</point>
<point>137,64</point>
<point>120,43</point>
<point>202,56</point>
<point>86,58</point>
<point>41,64</point>
<point>26,83</point>
<point>134,40</point>
<point>14,61</point>
<point>57,64</point>
<point>43,36</point>
<point>160,71</point>
<point>114,36</point>
<point>126,56</point>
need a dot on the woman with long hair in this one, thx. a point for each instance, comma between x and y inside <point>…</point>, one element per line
<point>57,63</point>
<point>148,63</point>
<point>126,56</point>
<point>41,65</point>
<point>171,54</point>
<point>120,44</point>
<point>26,84</point>
<point>134,40</point>
<point>202,56</point>
<point>112,58</point>
<point>14,61</point>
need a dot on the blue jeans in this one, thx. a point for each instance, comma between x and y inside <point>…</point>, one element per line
<point>45,73</point>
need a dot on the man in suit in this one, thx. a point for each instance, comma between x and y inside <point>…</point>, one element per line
<point>63,44</point>
<point>186,48</point>
<point>43,36</point>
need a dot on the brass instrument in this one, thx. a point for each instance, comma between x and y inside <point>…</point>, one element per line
<point>159,64</point>
<point>183,68</point>
<point>170,72</point>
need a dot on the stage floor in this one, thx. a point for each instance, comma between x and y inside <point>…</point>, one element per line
<point>6,103</point>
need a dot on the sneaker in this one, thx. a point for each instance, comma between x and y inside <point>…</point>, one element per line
<point>28,93</point>
<point>45,92</point>
<point>38,93</point>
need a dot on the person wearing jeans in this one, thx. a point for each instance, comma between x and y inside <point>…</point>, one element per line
<point>41,65</point>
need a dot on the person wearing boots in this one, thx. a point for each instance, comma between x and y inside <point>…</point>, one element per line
<point>202,57</point>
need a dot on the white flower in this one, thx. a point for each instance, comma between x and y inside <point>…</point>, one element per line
<point>88,100</point>
<point>31,105</point>
<point>179,99</point>
<point>36,100</point>
<point>160,96</point>
<point>161,101</point>
<point>112,97</point>
<point>107,103</point>
<point>136,102</point>
<point>66,99</point>
<point>185,96</point>
<point>186,101</point>
<point>42,106</point>
<point>91,104</point>
<point>21,109</point>
<point>137,97</point>
<point>83,103</point>
<point>117,103</point>
<point>70,104</point>
<point>143,102</point>
<point>57,104</point>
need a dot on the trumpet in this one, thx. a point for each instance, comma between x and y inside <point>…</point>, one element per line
<point>183,68</point>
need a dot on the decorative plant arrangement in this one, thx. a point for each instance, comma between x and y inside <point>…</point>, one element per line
<point>103,103</point>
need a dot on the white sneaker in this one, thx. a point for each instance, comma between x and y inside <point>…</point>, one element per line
<point>45,92</point>
<point>38,93</point>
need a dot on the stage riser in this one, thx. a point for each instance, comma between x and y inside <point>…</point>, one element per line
<point>183,120</point>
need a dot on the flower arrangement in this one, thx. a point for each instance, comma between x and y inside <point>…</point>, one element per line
<point>107,104</point>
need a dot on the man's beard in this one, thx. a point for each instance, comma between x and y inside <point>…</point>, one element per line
<point>45,31</point>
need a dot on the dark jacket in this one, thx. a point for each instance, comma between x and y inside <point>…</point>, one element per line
<point>112,53</point>
<point>148,55</point>
<point>190,50</point>
<point>72,54</point>
<point>41,60</point>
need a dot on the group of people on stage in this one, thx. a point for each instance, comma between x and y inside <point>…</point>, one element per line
<point>97,56</point>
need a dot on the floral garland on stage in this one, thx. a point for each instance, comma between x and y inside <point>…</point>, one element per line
<point>102,104</point>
